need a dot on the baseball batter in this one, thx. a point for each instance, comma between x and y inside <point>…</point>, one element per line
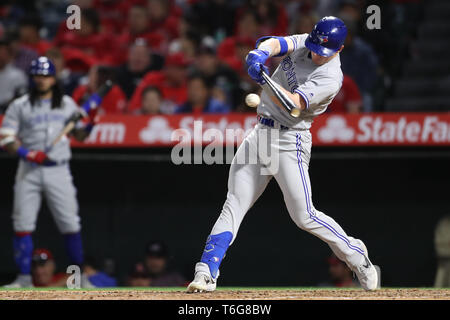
<point>311,76</point>
<point>31,124</point>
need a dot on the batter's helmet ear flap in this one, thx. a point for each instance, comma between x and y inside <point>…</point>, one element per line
<point>327,37</point>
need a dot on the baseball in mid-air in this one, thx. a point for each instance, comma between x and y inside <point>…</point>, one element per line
<point>252,100</point>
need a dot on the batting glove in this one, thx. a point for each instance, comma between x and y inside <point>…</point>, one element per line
<point>256,56</point>
<point>254,71</point>
<point>34,156</point>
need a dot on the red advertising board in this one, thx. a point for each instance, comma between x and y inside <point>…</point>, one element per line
<point>368,129</point>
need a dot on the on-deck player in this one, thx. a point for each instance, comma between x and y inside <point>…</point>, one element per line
<point>30,125</point>
<point>310,74</point>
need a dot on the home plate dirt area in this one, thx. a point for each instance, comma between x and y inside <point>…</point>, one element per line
<point>227,294</point>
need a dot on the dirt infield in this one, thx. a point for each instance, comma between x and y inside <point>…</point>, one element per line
<point>229,294</point>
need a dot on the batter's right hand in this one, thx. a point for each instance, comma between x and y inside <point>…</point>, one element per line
<point>34,156</point>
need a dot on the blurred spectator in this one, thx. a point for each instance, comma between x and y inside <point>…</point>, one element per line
<point>340,275</point>
<point>155,270</point>
<point>13,81</point>
<point>138,277</point>
<point>186,44</point>
<point>348,98</point>
<point>113,102</point>
<point>11,12</point>
<point>67,78</point>
<point>43,270</point>
<point>200,98</point>
<point>273,17</point>
<point>248,24</point>
<point>442,249</point>
<point>164,17</point>
<point>88,38</point>
<point>224,80</point>
<point>93,277</point>
<point>233,51</point>
<point>351,10</point>
<point>215,18</point>
<point>360,62</point>
<point>140,61</point>
<point>154,103</point>
<point>29,29</point>
<point>112,13</point>
<point>138,27</point>
<point>52,12</point>
<point>21,56</point>
<point>304,23</point>
<point>171,81</point>
<point>326,7</point>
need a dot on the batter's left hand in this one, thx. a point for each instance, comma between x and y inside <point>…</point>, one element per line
<point>256,56</point>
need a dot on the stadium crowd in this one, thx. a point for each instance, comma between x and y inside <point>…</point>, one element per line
<point>174,56</point>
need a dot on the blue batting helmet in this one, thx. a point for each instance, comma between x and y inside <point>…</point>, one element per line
<point>42,66</point>
<point>327,37</point>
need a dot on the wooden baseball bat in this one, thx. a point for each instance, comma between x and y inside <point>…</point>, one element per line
<point>102,91</point>
<point>282,97</point>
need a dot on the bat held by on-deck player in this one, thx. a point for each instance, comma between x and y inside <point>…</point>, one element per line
<point>93,102</point>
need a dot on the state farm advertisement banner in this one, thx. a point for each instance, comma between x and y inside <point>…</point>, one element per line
<point>369,129</point>
<point>382,129</point>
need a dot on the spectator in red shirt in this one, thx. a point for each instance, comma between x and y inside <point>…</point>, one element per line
<point>348,98</point>
<point>43,269</point>
<point>29,35</point>
<point>171,81</point>
<point>232,51</point>
<point>112,13</point>
<point>138,27</point>
<point>88,38</point>
<point>163,18</point>
<point>113,103</point>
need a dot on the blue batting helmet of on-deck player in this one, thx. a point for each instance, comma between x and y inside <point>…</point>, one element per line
<point>42,66</point>
<point>327,37</point>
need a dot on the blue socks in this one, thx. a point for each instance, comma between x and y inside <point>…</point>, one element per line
<point>74,248</point>
<point>23,250</point>
<point>216,246</point>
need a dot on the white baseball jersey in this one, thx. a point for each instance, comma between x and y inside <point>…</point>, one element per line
<point>37,126</point>
<point>318,85</point>
<point>290,149</point>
